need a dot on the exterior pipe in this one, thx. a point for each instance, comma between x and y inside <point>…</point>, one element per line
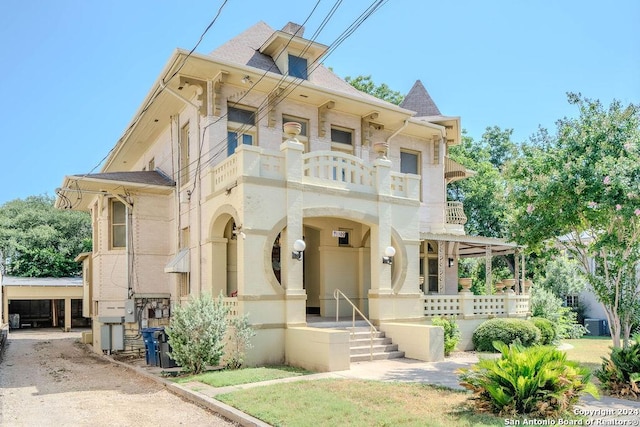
<point>393,135</point>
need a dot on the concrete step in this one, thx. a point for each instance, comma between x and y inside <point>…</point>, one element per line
<point>377,356</point>
<point>361,335</point>
<point>366,349</point>
<point>367,342</point>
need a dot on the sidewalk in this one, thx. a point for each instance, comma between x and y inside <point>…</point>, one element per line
<point>602,412</point>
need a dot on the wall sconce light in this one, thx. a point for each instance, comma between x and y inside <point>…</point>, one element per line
<point>389,252</point>
<point>298,247</point>
<point>451,262</point>
<point>246,80</point>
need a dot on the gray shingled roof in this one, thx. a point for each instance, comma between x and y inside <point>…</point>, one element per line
<point>244,49</point>
<point>135,177</point>
<point>419,100</point>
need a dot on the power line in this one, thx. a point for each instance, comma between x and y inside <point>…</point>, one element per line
<point>160,89</point>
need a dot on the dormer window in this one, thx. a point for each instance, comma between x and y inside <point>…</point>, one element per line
<point>298,67</point>
<point>292,53</point>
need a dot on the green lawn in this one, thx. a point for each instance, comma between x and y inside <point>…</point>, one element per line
<point>589,351</point>
<point>342,402</point>
<point>224,378</point>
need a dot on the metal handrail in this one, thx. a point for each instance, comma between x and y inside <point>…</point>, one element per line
<point>336,294</point>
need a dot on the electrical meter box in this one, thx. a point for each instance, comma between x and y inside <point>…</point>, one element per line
<point>130,311</point>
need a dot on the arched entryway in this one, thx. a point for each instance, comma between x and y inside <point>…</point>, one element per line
<point>224,255</point>
<point>337,256</point>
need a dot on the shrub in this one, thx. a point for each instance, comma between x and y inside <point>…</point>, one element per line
<point>567,325</point>
<point>564,320</point>
<point>507,331</point>
<point>196,333</point>
<point>547,331</point>
<point>239,341</point>
<point>620,374</point>
<point>535,381</point>
<point>451,333</point>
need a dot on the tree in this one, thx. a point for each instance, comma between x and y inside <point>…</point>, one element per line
<point>581,188</point>
<point>484,194</point>
<point>563,277</point>
<point>366,85</point>
<point>38,240</point>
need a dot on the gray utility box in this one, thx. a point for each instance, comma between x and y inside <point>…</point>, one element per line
<point>597,327</point>
<point>111,333</point>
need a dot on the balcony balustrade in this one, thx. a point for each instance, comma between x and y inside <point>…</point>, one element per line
<point>455,213</point>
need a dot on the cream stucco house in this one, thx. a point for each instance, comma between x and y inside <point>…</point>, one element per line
<point>209,191</point>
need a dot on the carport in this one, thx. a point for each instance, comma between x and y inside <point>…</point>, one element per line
<point>44,301</point>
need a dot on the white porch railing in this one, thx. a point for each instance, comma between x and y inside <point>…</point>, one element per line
<point>455,213</point>
<point>468,305</point>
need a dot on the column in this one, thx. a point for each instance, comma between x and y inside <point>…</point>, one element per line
<point>489,274</point>
<point>67,314</point>
<point>380,302</point>
<point>291,269</point>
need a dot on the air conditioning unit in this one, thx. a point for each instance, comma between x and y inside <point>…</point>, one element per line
<point>597,327</point>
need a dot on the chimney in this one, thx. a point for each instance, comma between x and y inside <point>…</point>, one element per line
<point>293,29</point>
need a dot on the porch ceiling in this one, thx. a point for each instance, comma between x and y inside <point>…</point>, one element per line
<point>474,246</point>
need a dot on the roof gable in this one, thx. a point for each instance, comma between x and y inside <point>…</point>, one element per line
<point>244,49</point>
<point>419,100</point>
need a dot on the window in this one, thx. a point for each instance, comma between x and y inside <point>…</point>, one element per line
<point>429,267</point>
<point>341,136</point>
<point>572,301</point>
<point>298,67</point>
<point>409,162</point>
<point>118,216</point>
<point>303,137</point>
<point>342,140</point>
<point>184,286</point>
<point>241,128</point>
<point>183,161</point>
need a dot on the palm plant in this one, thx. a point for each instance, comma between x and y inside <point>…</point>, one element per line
<point>534,381</point>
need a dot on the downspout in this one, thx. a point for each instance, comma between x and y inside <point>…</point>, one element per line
<point>393,135</point>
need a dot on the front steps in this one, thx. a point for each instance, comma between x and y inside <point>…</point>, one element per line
<point>362,346</point>
<point>360,339</point>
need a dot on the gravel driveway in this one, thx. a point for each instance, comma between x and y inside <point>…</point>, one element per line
<point>47,378</point>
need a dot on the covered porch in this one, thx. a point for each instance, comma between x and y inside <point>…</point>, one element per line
<point>447,295</point>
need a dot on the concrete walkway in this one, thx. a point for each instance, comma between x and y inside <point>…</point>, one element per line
<point>605,411</point>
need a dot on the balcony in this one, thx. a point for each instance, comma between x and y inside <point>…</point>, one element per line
<point>455,213</point>
<point>327,169</point>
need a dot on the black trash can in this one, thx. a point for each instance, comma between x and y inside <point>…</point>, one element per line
<point>164,360</point>
<point>151,345</point>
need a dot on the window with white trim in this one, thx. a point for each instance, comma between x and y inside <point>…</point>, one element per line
<point>118,222</point>
<point>298,67</point>
<point>241,128</point>
<point>410,162</point>
<point>183,161</point>
<point>342,139</point>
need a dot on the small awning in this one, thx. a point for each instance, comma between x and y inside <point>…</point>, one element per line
<point>454,171</point>
<point>180,263</point>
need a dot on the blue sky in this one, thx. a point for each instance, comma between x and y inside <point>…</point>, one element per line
<point>75,71</point>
